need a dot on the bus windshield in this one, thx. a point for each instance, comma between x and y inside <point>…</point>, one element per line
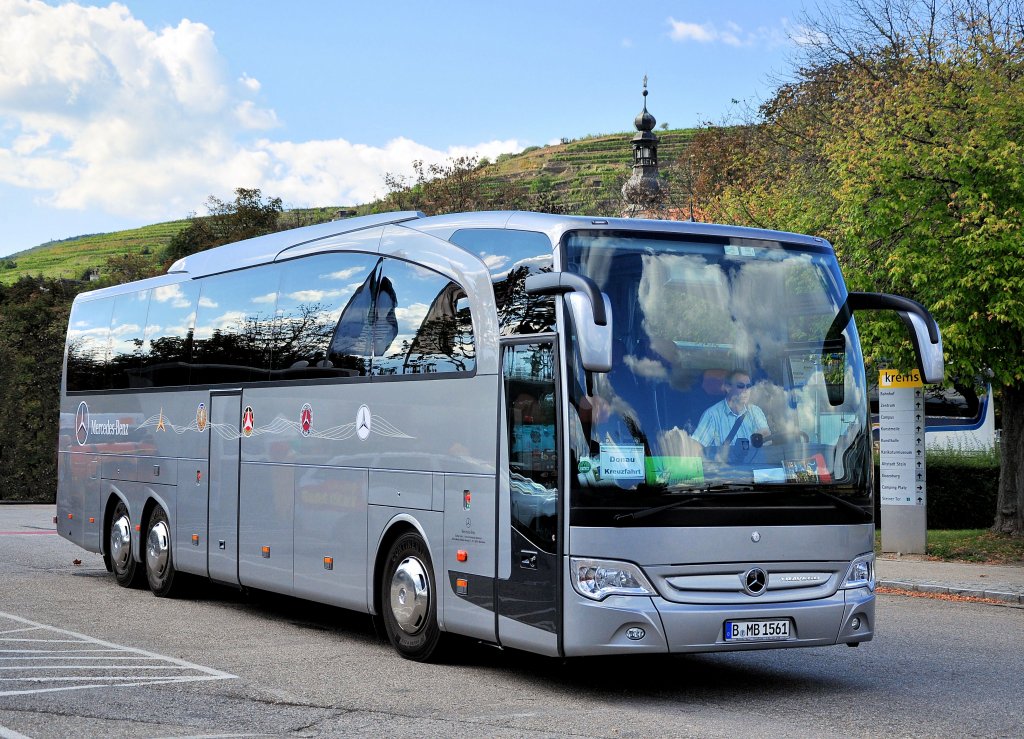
<point>732,377</point>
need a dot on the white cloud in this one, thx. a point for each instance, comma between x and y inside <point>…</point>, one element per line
<point>342,274</point>
<point>98,111</point>
<point>252,117</point>
<point>731,34</point>
<point>411,317</point>
<point>337,171</point>
<point>315,296</point>
<point>250,83</point>
<point>683,31</point>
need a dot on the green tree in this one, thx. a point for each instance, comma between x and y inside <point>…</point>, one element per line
<point>453,186</point>
<point>127,268</point>
<point>247,216</point>
<point>901,141</point>
<point>33,320</point>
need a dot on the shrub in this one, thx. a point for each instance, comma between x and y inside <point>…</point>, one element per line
<point>962,488</point>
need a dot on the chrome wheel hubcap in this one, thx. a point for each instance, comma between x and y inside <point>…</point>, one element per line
<point>158,548</point>
<point>410,595</point>
<point>120,542</point>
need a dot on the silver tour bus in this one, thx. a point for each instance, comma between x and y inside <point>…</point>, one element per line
<point>565,435</point>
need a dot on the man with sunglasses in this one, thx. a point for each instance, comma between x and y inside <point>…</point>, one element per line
<point>731,423</point>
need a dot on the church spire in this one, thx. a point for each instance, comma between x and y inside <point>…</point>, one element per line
<point>643,194</point>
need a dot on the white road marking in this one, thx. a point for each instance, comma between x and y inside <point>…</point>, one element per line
<point>123,667</point>
<point>6,733</point>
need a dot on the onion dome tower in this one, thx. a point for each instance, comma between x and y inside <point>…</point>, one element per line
<point>643,195</point>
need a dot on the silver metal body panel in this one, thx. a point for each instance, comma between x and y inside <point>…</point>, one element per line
<point>660,547</point>
<point>469,528</point>
<point>266,512</point>
<point>555,226</point>
<point>366,240</point>
<point>698,573</point>
<point>223,538</point>
<point>330,521</point>
<point>517,635</point>
<point>79,499</point>
<point>263,249</point>
<point>190,517</point>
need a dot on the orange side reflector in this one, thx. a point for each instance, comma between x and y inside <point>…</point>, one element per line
<point>138,527</point>
<point>92,520</point>
<point>462,555</point>
<point>70,516</point>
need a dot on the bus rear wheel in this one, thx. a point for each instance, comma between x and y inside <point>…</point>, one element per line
<point>409,599</point>
<point>122,560</point>
<point>160,570</point>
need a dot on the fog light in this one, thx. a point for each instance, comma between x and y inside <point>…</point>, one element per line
<point>635,633</point>
<point>855,623</point>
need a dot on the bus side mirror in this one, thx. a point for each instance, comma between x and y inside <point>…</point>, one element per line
<point>924,331</point>
<point>595,341</point>
<point>590,310</point>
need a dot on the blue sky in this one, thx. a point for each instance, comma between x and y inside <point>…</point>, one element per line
<point>116,115</point>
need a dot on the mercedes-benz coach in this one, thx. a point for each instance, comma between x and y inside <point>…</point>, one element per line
<point>567,435</point>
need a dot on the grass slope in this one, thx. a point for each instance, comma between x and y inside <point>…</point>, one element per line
<point>71,258</point>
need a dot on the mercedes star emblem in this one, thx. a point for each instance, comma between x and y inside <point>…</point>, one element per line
<point>363,422</point>
<point>755,581</point>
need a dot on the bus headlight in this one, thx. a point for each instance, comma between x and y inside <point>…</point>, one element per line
<point>861,573</point>
<point>598,578</point>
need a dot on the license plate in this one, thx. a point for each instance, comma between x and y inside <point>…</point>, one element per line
<point>757,630</point>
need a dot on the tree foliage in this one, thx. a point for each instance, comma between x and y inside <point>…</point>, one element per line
<point>450,187</point>
<point>246,217</point>
<point>900,141</point>
<point>33,319</point>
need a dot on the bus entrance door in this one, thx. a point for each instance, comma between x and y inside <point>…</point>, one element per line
<point>528,607</point>
<point>225,454</point>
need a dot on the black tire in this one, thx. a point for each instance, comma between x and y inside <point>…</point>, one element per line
<point>126,570</point>
<point>163,579</point>
<point>408,595</point>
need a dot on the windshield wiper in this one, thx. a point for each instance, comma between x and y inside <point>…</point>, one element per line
<point>726,488</point>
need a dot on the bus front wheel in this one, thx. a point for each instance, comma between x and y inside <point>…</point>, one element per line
<point>409,599</point>
<point>122,560</point>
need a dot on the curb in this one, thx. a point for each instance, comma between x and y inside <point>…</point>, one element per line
<point>966,592</point>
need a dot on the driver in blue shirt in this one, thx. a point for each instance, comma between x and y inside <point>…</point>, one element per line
<point>733,420</point>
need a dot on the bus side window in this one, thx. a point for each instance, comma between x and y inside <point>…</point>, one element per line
<point>234,327</point>
<point>323,313</point>
<point>167,344</point>
<point>511,256</point>
<point>421,323</point>
<point>127,328</point>
<point>88,335</point>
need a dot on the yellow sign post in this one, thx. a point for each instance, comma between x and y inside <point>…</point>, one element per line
<point>901,431</point>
